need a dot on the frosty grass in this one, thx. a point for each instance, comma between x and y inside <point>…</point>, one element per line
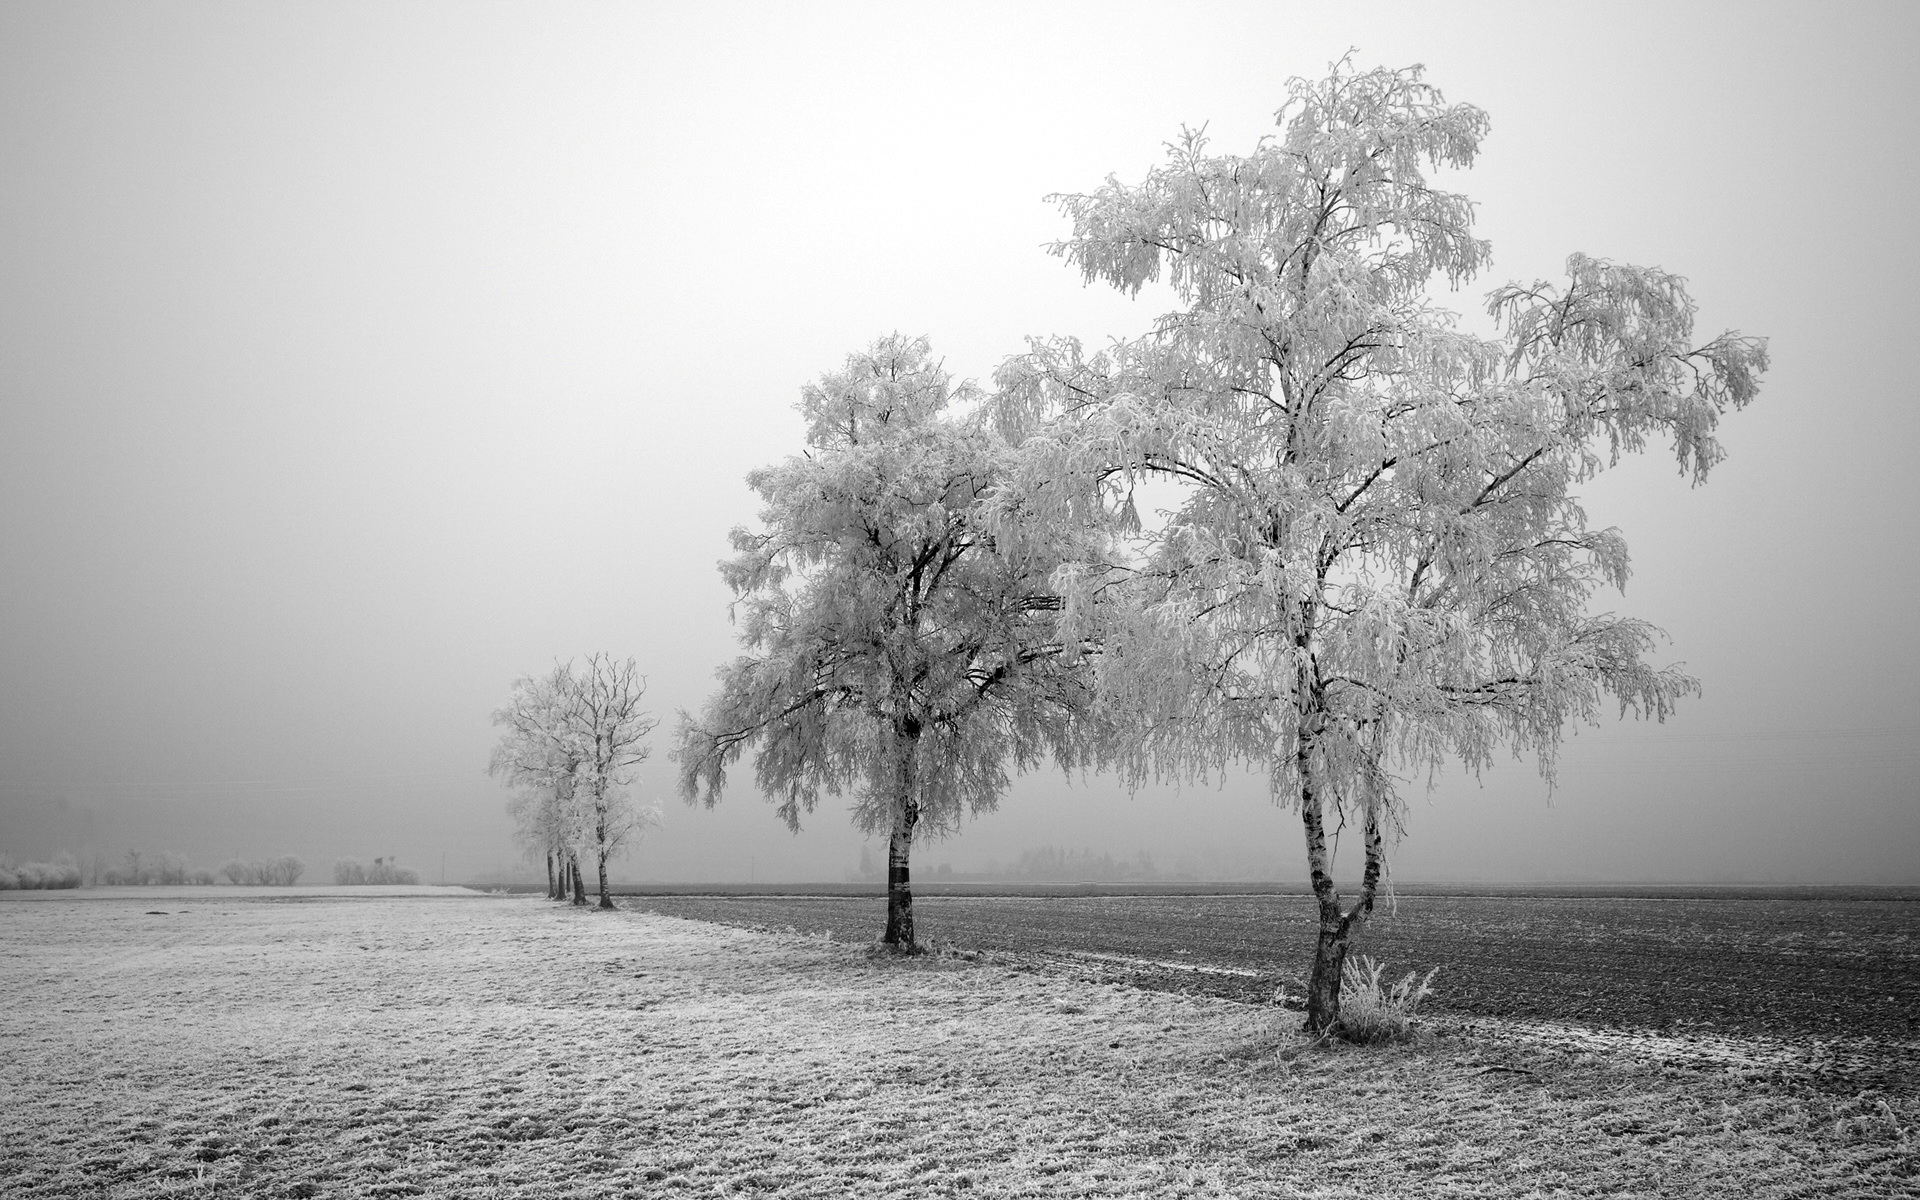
<point>395,1045</point>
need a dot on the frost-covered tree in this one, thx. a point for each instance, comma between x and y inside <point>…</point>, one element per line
<point>534,756</point>
<point>569,742</point>
<point>538,825</point>
<point>897,649</point>
<point>1376,562</point>
<point>604,721</point>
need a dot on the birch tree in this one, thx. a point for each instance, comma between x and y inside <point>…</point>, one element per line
<point>897,651</point>
<point>1377,562</point>
<point>569,742</point>
<point>534,756</point>
<point>604,723</point>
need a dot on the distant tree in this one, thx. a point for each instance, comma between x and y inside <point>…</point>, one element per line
<point>569,743</point>
<point>604,720</point>
<point>1376,563</point>
<point>536,820</point>
<point>535,756</point>
<point>897,648</point>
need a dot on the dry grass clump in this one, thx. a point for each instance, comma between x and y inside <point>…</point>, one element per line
<point>1373,1011</point>
<point>353,872</point>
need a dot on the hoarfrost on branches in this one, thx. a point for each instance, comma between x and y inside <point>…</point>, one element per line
<point>1378,563</point>
<point>569,742</point>
<point>898,648</point>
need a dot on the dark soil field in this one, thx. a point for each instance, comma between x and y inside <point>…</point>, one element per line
<point>1837,973</point>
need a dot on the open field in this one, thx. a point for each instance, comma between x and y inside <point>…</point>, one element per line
<point>508,1047</point>
<point>1835,972</point>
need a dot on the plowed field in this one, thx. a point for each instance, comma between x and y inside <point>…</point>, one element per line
<point>1838,973</point>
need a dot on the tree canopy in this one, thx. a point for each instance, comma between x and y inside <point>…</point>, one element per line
<point>897,650</point>
<point>1376,563</point>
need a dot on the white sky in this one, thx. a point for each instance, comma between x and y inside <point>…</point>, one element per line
<point>357,358</point>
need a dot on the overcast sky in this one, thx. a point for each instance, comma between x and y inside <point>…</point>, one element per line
<point>356,359</point>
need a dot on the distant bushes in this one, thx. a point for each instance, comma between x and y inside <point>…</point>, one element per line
<point>144,870</point>
<point>384,870</point>
<point>62,872</point>
<point>141,869</point>
<point>283,871</point>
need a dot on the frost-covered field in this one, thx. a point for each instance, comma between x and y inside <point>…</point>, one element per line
<point>236,1045</point>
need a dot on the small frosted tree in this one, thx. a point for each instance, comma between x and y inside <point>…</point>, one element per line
<point>607,728</point>
<point>897,649</point>
<point>569,742</point>
<point>536,757</point>
<point>1376,563</point>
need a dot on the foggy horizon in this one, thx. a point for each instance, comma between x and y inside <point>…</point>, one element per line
<point>357,361</point>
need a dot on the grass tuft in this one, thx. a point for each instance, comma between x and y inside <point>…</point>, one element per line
<point>1374,1011</point>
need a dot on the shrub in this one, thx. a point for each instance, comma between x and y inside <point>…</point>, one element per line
<point>383,871</point>
<point>62,872</point>
<point>1372,1011</point>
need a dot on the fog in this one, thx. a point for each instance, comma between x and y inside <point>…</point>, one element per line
<point>357,359</point>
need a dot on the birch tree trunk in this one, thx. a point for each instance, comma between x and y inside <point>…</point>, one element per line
<point>606,901</point>
<point>901,845</point>
<point>553,880</point>
<point>899,888</point>
<point>579,884</point>
<point>1337,927</point>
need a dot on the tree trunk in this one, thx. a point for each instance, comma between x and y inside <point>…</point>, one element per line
<point>900,845</point>
<point>1336,927</point>
<point>579,884</point>
<point>553,880</point>
<point>606,901</point>
<point>899,887</point>
<point>1330,947</point>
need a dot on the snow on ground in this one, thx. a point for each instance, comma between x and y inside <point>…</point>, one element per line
<point>227,1045</point>
<point>221,891</point>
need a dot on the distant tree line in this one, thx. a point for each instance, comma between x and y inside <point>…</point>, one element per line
<point>1052,864</point>
<point>138,868</point>
<point>353,872</point>
<point>63,872</point>
<point>281,871</point>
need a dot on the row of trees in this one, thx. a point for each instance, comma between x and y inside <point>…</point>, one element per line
<point>282,870</point>
<point>353,872</point>
<point>568,745</point>
<point>1374,561</point>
